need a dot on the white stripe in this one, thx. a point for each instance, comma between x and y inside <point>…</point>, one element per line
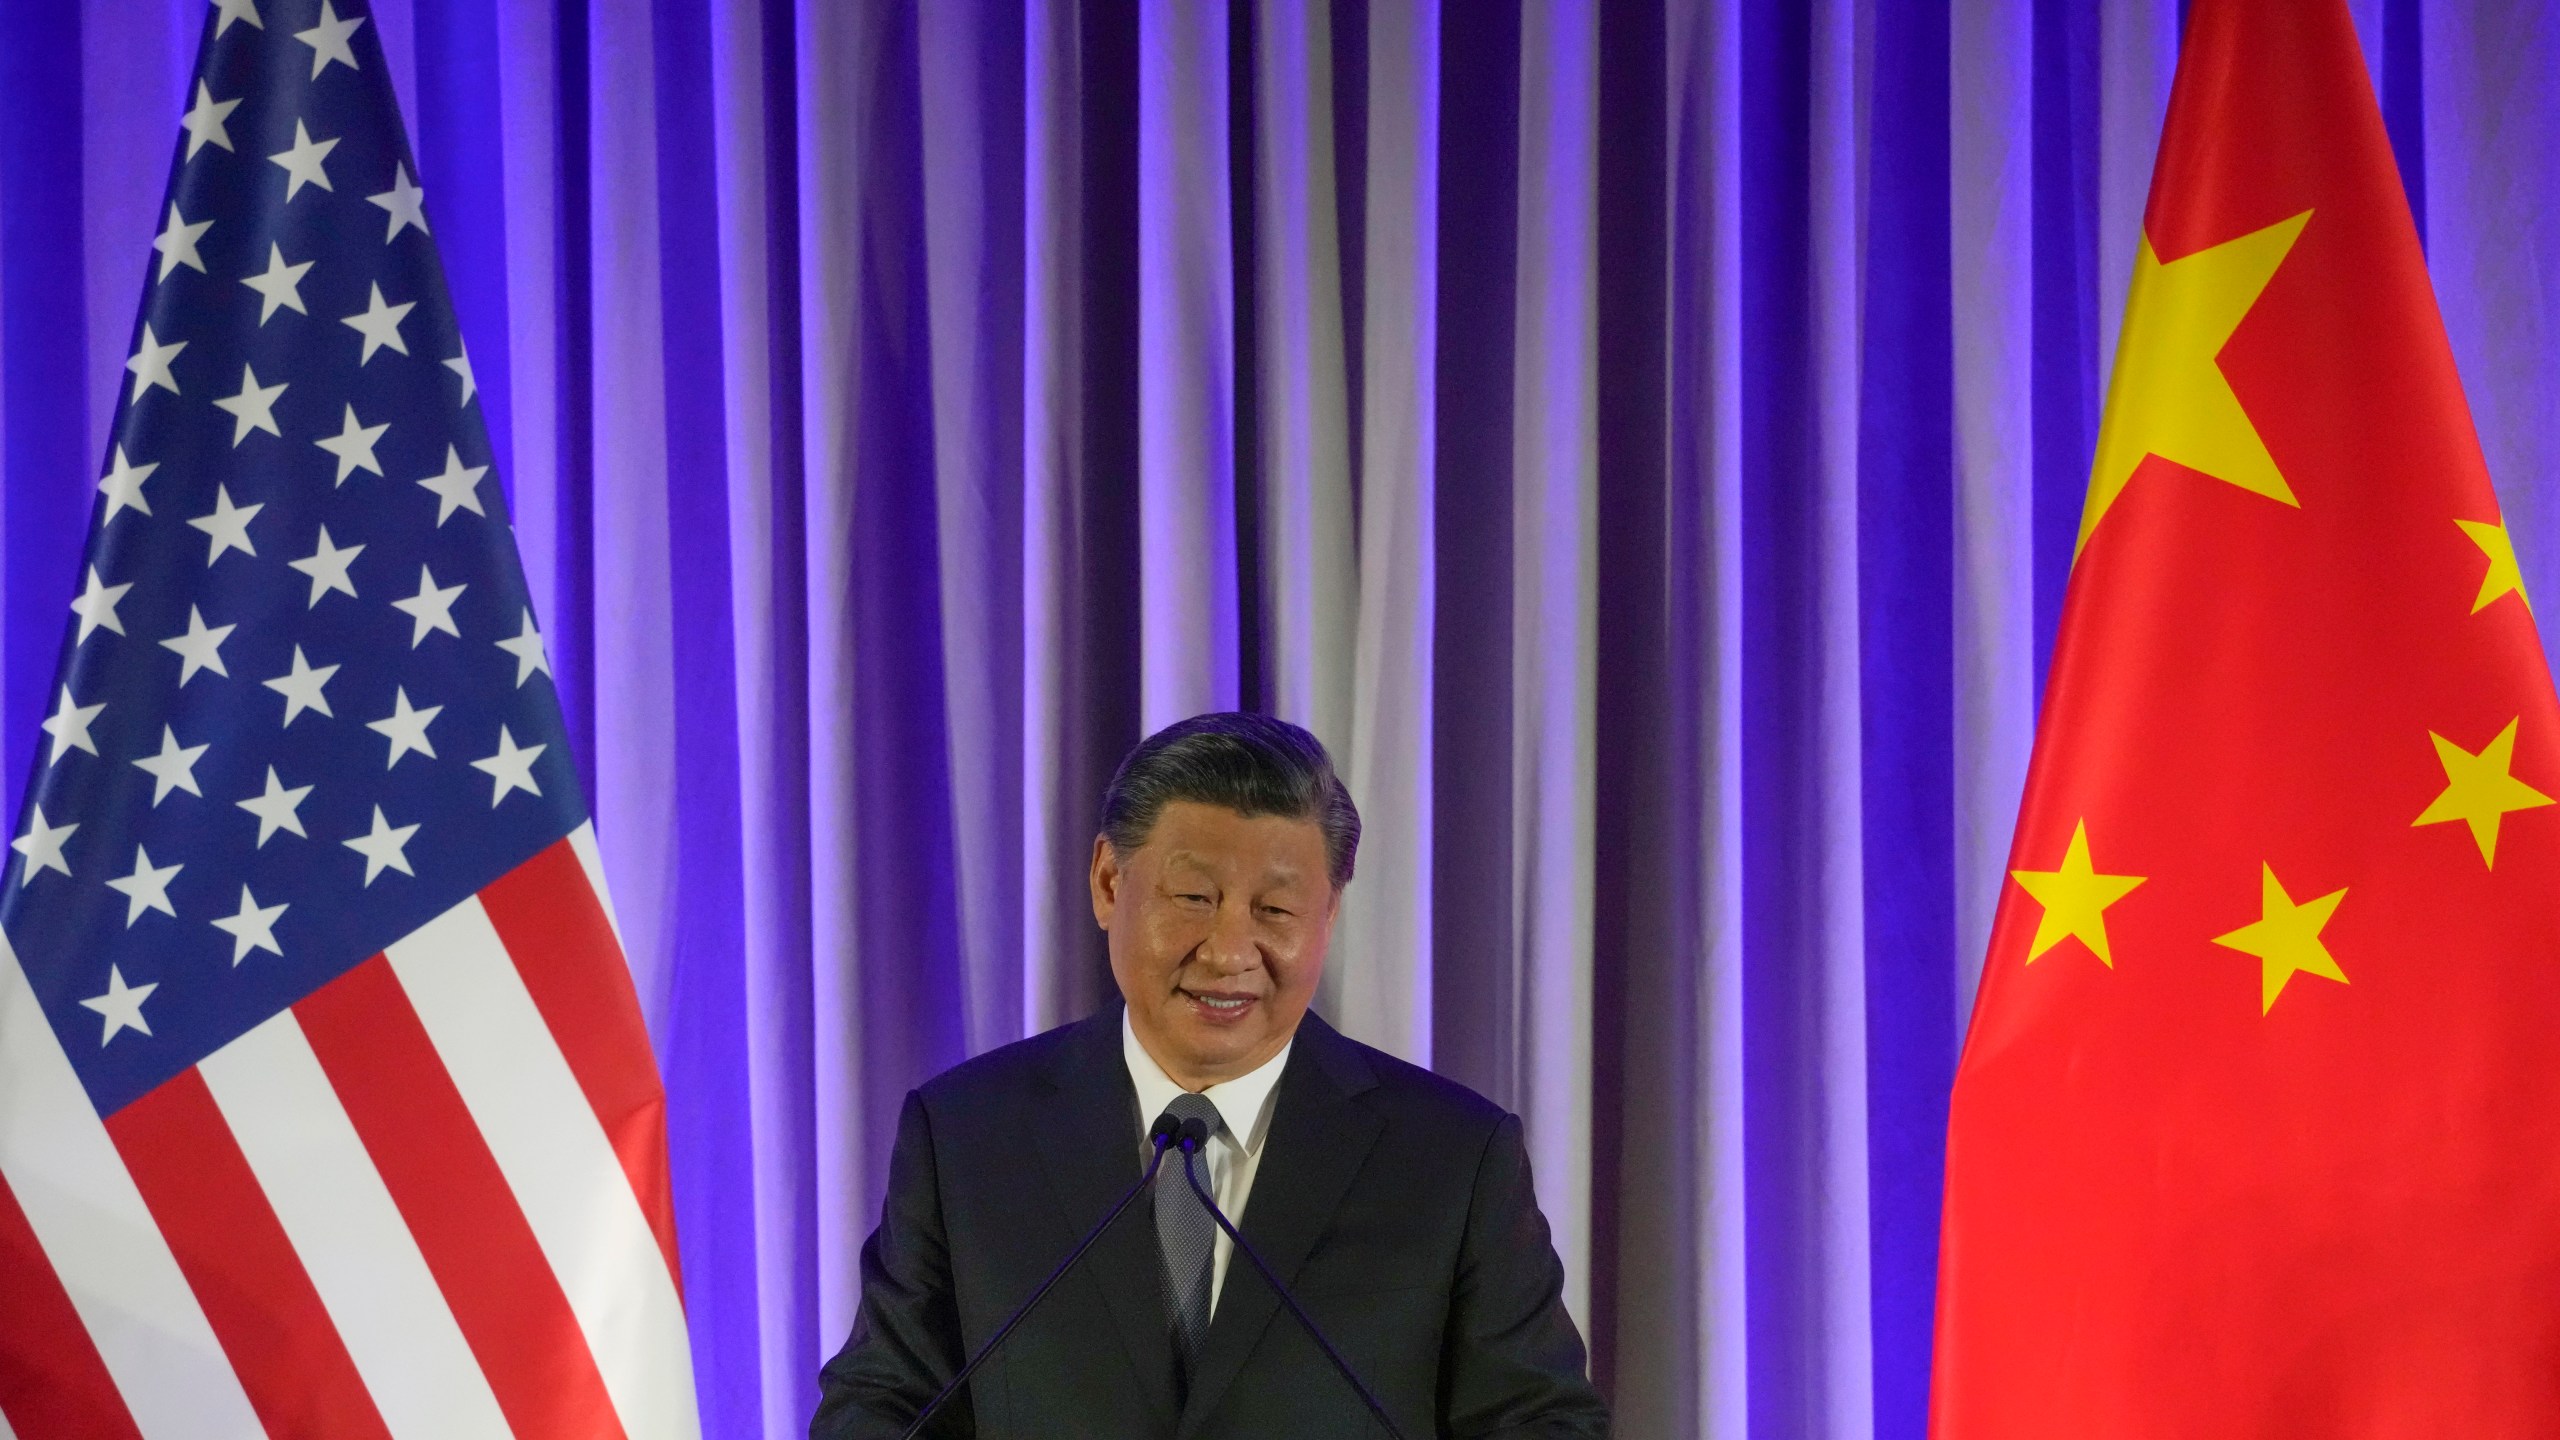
<point>977,472</point>
<point>1698,1362</point>
<point>395,28</point>
<point>2370,37</point>
<point>2137,59</point>
<point>5,1432</point>
<point>762,604</point>
<point>634,659</point>
<point>124,169</point>
<point>1991,139</point>
<point>2488,188</point>
<point>1312,583</point>
<point>1187,603</point>
<point>528,67</point>
<point>1839,1365</point>
<point>840,80</point>
<point>81,1202</point>
<point>1054,801</point>
<point>1382,973</point>
<point>1554,610</point>
<point>544,1136</point>
<point>343,1224</point>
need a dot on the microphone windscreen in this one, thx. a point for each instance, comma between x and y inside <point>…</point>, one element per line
<point>1166,1131</point>
<point>1193,1135</point>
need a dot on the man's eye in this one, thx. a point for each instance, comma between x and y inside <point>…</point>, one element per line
<point>1275,912</point>
<point>1193,899</point>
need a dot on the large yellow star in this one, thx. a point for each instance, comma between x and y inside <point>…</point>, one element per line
<point>2075,900</point>
<point>2286,939</point>
<point>2503,577</point>
<point>2478,789</point>
<point>2168,397</point>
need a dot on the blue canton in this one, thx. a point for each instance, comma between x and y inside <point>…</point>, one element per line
<point>303,706</point>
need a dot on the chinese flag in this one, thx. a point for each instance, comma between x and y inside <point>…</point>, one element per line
<point>2257,1128</point>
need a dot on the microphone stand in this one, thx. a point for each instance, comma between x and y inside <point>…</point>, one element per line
<point>1193,1134</point>
<point>1162,1135</point>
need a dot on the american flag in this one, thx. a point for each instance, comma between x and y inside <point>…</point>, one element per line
<point>325,1103</point>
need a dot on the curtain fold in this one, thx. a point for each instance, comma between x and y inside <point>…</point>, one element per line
<point>1643,438</point>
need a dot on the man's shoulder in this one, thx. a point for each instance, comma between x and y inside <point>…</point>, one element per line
<point>1400,1087</point>
<point>1010,1070</point>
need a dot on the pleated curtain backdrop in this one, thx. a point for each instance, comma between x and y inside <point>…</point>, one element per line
<point>1643,439</point>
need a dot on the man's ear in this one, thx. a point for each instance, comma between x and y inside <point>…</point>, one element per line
<point>1105,878</point>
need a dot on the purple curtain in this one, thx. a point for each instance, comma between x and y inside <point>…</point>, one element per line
<point>1643,438</point>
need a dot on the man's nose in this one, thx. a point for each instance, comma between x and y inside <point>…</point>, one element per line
<point>1229,946</point>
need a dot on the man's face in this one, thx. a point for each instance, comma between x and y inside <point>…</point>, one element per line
<point>1218,927</point>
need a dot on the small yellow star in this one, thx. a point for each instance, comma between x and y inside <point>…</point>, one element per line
<point>2169,397</point>
<point>2478,789</point>
<point>2286,938</point>
<point>2075,900</point>
<point>2503,578</point>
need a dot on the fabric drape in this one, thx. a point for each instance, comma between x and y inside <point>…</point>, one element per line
<point>1643,439</point>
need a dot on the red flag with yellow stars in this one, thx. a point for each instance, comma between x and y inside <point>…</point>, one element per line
<point>2257,1128</point>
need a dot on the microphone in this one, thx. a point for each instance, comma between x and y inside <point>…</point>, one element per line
<point>1189,1137</point>
<point>1162,1135</point>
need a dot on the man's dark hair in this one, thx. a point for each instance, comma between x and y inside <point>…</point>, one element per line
<point>1251,764</point>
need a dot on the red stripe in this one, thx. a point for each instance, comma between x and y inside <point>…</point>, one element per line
<point>553,925</point>
<point>236,1257</point>
<point>52,1381</point>
<point>457,1204</point>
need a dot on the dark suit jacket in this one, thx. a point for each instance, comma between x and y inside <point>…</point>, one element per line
<point>1396,1204</point>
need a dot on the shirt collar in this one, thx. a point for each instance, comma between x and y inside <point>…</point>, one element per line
<point>1244,1103</point>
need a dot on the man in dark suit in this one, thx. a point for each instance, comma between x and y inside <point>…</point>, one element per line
<point>1397,1205</point>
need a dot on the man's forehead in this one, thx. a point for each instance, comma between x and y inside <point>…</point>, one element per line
<point>1186,857</point>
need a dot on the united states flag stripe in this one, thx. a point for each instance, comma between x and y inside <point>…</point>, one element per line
<point>57,1385</point>
<point>449,1189</point>
<point>235,1254</point>
<point>380,1294</point>
<point>374,1191</point>
<point>555,906</point>
<point>85,1212</point>
<point>470,994</point>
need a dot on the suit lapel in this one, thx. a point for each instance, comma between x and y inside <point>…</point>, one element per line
<point>1320,1136</point>
<point>1086,1131</point>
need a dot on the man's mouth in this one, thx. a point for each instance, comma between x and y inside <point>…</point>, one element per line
<point>1219,1007</point>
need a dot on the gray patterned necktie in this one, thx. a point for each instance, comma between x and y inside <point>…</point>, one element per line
<point>1187,1238</point>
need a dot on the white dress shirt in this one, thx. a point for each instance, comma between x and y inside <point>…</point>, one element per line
<point>1232,1155</point>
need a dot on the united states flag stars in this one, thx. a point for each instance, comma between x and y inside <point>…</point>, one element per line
<point>305,703</point>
